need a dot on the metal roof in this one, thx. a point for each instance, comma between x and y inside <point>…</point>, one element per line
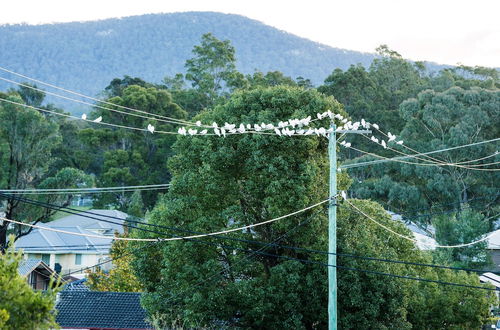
<point>26,266</point>
<point>44,241</point>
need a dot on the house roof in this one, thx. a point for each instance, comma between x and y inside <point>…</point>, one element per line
<point>26,266</point>
<point>78,285</point>
<point>44,241</point>
<point>494,240</point>
<point>424,240</point>
<point>102,310</point>
<point>490,278</point>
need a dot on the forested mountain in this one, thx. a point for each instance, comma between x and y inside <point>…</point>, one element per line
<point>86,56</point>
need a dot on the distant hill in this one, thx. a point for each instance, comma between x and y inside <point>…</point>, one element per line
<point>86,56</point>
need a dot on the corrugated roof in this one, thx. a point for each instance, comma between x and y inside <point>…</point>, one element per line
<point>26,266</point>
<point>102,310</point>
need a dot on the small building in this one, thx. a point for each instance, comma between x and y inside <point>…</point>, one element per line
<point>424,238</point>
<point>67,253</point>
<point>494,248</point>
<point>37,273</point>
<point>100,310</point>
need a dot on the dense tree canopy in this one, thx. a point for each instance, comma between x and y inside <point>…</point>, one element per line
<point>132,157</point>
<point>238,180</point>
<point>242,179</point>
<point>27,141</point>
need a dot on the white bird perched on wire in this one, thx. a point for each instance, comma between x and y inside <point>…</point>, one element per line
<point>198,123</point>
<point>400,142</point>
<point>383,144</point>
<point>343,194</point>
<point>374,139</point>
<point>98,119</point>
<point>192,131</point>
<point>182,131</point>
<point>376,126</point>
<point>151,128</point>
<point>203,132</point>
<point>84,117</point>
<point>392,137</point>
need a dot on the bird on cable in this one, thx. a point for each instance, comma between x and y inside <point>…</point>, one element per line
<point>84,117</point>
<point>98,119</point>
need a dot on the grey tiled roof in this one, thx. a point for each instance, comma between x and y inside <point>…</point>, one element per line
<point>78,285</point>
<point>102,310</point>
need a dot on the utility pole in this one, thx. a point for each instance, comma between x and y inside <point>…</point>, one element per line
<point>332,225</point>
<point>332,232</point>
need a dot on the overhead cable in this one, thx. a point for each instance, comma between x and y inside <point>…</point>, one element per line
<point>384,159</point>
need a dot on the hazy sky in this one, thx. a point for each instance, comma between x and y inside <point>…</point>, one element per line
<point>444,31</point>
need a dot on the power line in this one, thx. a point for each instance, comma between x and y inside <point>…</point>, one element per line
<point>89,97</point>
<point>414,240</point>
<point>85,189</point>
<point>384,160</point>
<point>244,240</point>
<point>436,160</point>
<point>162,238</point>
<point>399,160</point>
<point>116,191</point>
<point>87,120</point>
<point>341,267</point>
<point>171,121</point>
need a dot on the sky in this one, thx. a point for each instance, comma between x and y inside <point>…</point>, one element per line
<point>442,31</point>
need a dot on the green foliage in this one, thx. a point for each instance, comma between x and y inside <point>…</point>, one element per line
<point>27,140</point>
<point>242,179</point>
<point>120,278</point>
<point>212,70</point>
<point>20,306</point>
<point>126,157</point>
<point>435,121</point>
<point>467,226</point>
<point>31,96</point>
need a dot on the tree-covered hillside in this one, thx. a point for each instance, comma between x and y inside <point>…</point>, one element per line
<point>86,56</point>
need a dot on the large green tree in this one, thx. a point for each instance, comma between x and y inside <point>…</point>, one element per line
<point>27,142</point>
<point>243,179</point>
<point>122,157</point>
<point>439,120</point>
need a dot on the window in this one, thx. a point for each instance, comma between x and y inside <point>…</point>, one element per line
<point>46,258</point>
<point>78,259</point>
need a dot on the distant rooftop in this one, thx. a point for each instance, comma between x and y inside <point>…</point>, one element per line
<point>44,241</point>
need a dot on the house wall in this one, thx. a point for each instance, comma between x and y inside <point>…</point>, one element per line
<point>38,281</point>
<point>67,261</point>
<point>495,256</point>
